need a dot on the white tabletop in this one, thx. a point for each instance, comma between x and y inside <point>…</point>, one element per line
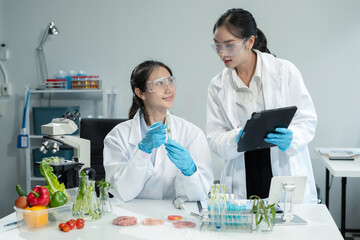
<point>320,225</point>
<point>341,168</point>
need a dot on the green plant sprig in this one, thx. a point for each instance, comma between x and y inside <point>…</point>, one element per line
<point>261,210</point>
<point>102,184</point>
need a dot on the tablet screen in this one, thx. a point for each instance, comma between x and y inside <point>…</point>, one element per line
<point>261,124</point>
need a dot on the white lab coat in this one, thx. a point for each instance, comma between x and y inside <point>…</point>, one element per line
<point>282,86</point>
<point>133,175</point>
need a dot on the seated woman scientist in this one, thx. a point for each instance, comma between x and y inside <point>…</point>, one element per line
<point>146,158</point>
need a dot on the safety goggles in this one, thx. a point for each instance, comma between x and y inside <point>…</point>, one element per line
<point>229,49</point>
<point>161,84</point>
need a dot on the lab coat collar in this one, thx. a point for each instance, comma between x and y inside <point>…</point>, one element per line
<point>271,85</point>
<point>227,98</point>
<point>238,83</point>
<point>271,80</point>
<point>135,132</point>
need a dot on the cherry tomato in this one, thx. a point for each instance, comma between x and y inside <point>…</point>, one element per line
<point>79,225</point>
<point>72,220</point>
<point>80,220</point>
<point>66,228</point>
<point>61,226</point>
<point>70,224</point>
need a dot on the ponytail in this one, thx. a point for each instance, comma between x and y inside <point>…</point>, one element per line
<point>261,42</point>
<point>135,106</point>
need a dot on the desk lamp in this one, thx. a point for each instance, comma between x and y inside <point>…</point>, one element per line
<point>50,30</point>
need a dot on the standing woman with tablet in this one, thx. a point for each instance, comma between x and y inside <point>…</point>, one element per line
<point>255,80</point>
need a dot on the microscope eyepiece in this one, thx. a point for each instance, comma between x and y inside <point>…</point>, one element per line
<point>67,114</point>
<point>75,116</point>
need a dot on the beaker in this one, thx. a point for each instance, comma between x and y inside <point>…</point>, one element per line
<point>104,200</point>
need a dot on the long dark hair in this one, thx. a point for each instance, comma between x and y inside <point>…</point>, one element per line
<point>242,24</point>
<point>139,76</point>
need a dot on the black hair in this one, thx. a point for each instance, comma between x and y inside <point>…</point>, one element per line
<point>242,24</point>
<point>139,76</point>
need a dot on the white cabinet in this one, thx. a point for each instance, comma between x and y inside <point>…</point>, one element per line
<point>92,103</point>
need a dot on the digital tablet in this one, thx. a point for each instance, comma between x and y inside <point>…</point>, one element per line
<point>262,123</point>
<point>276,192</point>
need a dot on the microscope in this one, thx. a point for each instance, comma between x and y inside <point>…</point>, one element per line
<point>56,133</point>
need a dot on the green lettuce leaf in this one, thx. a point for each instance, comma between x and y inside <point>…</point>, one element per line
<point>53,184</point>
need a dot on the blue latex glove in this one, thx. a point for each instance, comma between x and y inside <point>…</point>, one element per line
<point>180,156</point>
<point>238,136</point>
<point>282,138</point>
<point>154,137</point>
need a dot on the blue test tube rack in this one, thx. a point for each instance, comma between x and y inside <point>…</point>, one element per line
<point>225,213</point>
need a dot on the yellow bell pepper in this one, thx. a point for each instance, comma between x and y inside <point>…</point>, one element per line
<point>36,219</point>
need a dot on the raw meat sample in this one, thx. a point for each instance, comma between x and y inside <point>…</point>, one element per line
<point>152,221</point>
<point>184,224</point>
<point>125,221</point>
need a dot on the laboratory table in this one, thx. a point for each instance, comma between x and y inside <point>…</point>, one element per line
<point>343,169</point>
<point>320,225</point>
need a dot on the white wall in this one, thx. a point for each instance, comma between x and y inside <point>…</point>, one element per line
<point>110,37</point>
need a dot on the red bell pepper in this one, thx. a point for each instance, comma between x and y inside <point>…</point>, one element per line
<point>39,196</point>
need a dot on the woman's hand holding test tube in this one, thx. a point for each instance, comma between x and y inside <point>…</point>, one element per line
<point>180,156</point>
<point>154,137</point>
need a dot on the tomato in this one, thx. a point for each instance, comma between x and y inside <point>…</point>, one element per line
<point>80,220</point>
<point>61,226</point>
<point>66,228</point>
<point>72,221</point>
<point>79,225</point>
<point>70,224</point>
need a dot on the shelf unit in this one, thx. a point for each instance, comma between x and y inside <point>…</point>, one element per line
<point>55,98</point>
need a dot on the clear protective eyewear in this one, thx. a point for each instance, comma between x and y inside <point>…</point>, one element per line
<point>229,49</point>
<point>161,84</point>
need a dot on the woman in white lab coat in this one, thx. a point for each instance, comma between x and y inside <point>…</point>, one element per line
<point>155,154</point>
<point>255,80</point>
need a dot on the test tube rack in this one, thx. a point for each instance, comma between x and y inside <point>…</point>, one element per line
<point>225,213</point>
<point>228,221</point>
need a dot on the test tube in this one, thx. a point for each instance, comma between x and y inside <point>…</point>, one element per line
<point>223,188</point>
<point>244,212</point>
<point>223,209</point>
<point>217,209</point>
<point>232,208</point>
<point>227,198</point>
<point>213,211</point>
<point>227,210</point>
<point>168,131</point>
<point>238,212</point>
<point>209,209</point>
<point>217,188</point>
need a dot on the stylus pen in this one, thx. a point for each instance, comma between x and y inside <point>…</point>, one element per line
<point>13,223</point>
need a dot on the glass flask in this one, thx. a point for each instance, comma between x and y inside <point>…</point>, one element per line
<point>104,200</point>
<point>87,205</point>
